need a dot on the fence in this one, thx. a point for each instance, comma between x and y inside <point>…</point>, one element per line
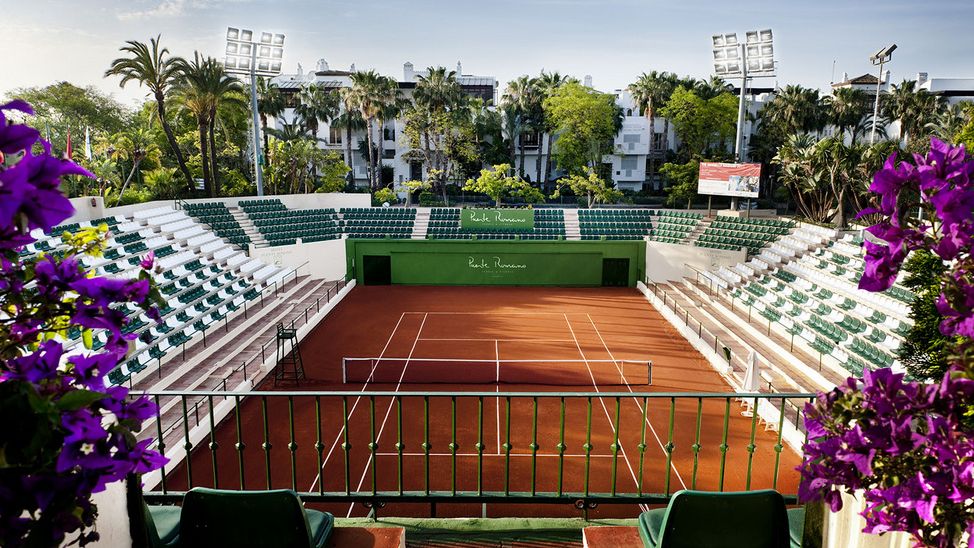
<point>242,372</point>
<point>581,448</point>
<point>735,363</point>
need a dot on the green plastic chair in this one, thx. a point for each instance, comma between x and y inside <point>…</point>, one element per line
<point>756,519</point>
<point>161,525</point>
<point>213,517</point>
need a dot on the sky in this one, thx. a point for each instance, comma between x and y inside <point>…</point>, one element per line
<point>46,41</point>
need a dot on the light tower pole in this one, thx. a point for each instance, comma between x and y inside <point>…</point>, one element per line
<point>245,56</point>
<point>879,58</point>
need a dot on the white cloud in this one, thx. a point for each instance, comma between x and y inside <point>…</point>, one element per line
<point>167,8</point>
<point>173,8</point>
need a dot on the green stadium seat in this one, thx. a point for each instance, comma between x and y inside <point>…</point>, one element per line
<point>756,519</point>
<point>212,517</point>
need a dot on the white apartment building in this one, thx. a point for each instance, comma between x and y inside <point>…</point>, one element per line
<point>392,147</point>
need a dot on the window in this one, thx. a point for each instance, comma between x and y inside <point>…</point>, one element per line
<point>389,134</point>
<point>628,112</point>
<point>335,135</point>
<point>658,141</point>
<point>628,162</point>
<point>389,153</point>
<point>630,138</point>
<point>529,139</point>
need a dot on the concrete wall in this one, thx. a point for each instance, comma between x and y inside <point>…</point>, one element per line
<point>325,260</point>
<point>666,262</point>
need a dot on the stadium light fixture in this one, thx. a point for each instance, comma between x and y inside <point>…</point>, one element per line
<point>754,58</point>
<point>879,59</point>
<point>262,57</point>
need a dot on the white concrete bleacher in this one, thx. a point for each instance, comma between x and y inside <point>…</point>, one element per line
<point>203,279</point>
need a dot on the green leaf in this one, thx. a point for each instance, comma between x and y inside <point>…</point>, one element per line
<point>86,338</point>
<point>73,401</point>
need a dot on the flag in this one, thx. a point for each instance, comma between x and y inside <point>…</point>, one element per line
<point>88,143</point>
<point>67,147</point>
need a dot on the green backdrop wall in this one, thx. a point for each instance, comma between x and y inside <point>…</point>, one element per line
<point>492,262</point>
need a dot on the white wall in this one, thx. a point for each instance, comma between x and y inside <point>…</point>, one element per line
<point>325,260</point>
<point>666,262</point>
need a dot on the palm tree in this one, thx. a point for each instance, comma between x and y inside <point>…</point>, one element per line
<point>371,94</point>
<point>438,95</point>
<point>796,157</point>
<point>712,87</point>
<point>350,120</point>
<point>270,102</point>
<point>650,92</point>
<point>546,84</point>
<point>316,103</point>
<point>847,108</point>
<point>949,121</point>
<point>797,110</point>
<point>522,95</point>
<point>135,145</point>
<point>913,107</point>
<point>202,89</point>
<point>152,67</point>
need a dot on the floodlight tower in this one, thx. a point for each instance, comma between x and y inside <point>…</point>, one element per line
<point>879,58</point>
<point>752,59</point>
<point>256,58</point>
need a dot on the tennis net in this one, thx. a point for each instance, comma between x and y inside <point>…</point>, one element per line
<point>466,371</point>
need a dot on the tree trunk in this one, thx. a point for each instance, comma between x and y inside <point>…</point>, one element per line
<point>207,182</point>
<point>348,147</point>
<point>161,107</point>
<point>520,142</point>
<point>652,153</point>
<point>267,144</point>
<point>371,170</point>
<point>547,159</point>
<point>537,162</point>
<point>135,167</point>
<point>215,170</point>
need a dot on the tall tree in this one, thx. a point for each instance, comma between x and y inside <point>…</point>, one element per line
<point>650,92</point>
<point>586,121</point>
<point>316,103</point>
<point>270,103</point>
<point>371,94</point>
<point>439,109</point>
<point>521,95</point>
<point>803,179</point>
<point>847,107</point>
<point>153,67</point>
<point>133,145</point>
<point>202,89</point>
<point>911,106</point>
<point>796,109</point>
<point>704,126</point>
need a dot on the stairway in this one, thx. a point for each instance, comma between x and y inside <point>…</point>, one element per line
<point>572,231</point>
<point>421,223</point>
<point>703,225</point>
<point>248,227</point>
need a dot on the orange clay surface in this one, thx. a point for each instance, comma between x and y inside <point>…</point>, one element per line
<point>490,323</point>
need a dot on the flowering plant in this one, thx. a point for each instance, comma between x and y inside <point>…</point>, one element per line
<point>908,446</point>
<point>65,434</point>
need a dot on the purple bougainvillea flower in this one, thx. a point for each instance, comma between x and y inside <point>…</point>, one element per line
<point>889,181</point>
<point>147,261</point>
<point>35,367</point>
<point>105,291</point>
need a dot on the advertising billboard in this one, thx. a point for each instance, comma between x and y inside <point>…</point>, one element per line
<point>739,180</point>
<point>492,219</point>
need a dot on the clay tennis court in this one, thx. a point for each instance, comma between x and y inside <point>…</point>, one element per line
<point>486,442</point>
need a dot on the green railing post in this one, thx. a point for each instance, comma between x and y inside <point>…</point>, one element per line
<point>669,445</point>
<point>319,446</point>
<point>346,447</point>
<point>399,444</point>
<point>642,446</point>
<point>751,446</point>
<point>696,444</point>
<point>267,442</point>
<point>534,446</point>
<point>426,439</point>
<point>187,445</point>
<point>777,446</point>
<point>373,446</point>
<point>507,448</point>
<point>292,445</point>
<point>723,442</point>
<point>561,447</point>
<point>588,441</point>
<point>615,446</point>
<point>213,445</point>
<point>480,446</point>
<point>453,445</point>
<point>160,438</point>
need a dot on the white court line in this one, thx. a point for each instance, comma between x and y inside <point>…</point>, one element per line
<point>354,405</point>
<point>653,430</point>
<point>491,313</point>
<point>501,340</point>
<point>385,419</point>
<point>553,455</point>
<point>608,417</point>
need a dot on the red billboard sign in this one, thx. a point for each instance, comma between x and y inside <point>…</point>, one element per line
<point>740,180</point>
